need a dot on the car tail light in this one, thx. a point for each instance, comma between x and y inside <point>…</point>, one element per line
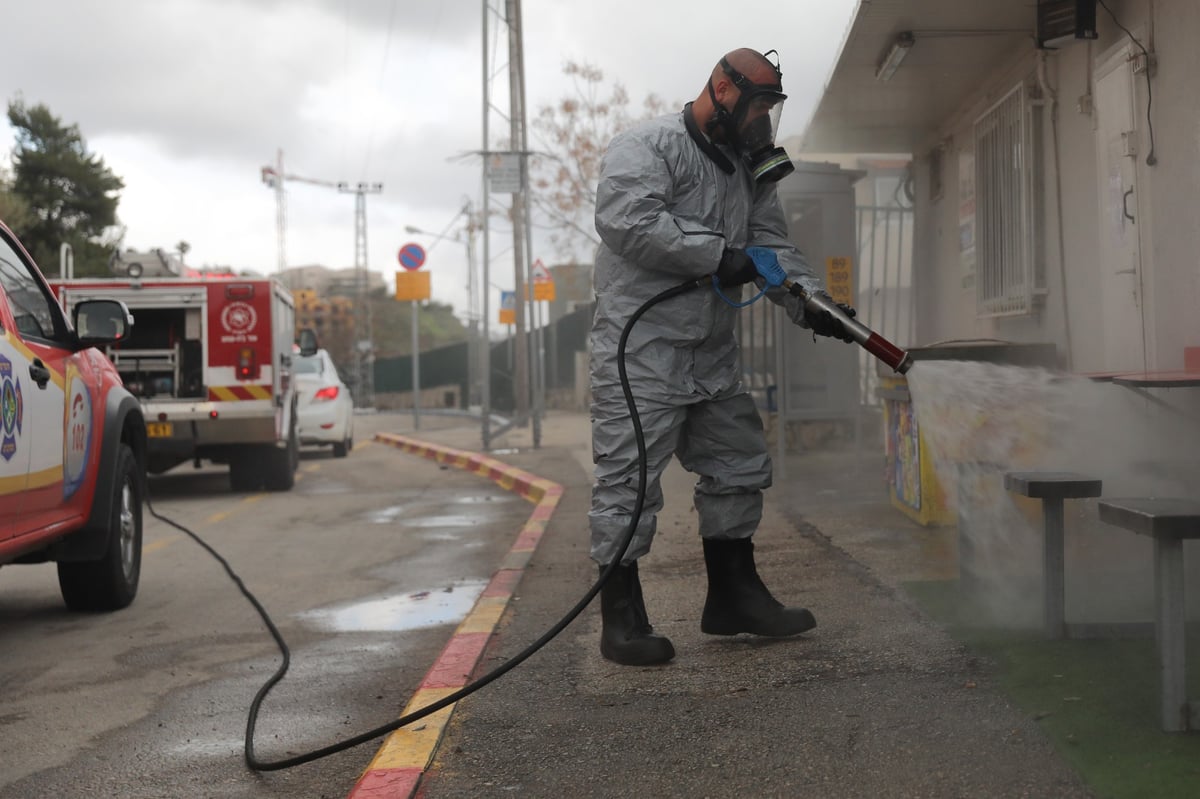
<point>247,364</point>
<point>325,394</point>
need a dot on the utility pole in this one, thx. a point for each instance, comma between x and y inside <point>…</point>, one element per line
<point>485,365</point>
<point>521,228</point>
<point>516,134</point>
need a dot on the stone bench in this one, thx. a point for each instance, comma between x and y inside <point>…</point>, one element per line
<point>1052,488</point>
<point>1169,522</point>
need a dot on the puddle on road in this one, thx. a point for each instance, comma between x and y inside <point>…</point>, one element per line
<point>413,611</point>
<point>447,520</point>
<point>401,514</point>
<point>455,537</point>
<point>475,499</point>
<point>385,515</point>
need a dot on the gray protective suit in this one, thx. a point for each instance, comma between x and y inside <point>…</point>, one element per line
<point>665,212</point>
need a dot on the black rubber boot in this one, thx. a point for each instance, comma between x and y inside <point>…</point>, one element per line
<point>627,637</point>
<point>738,602</point>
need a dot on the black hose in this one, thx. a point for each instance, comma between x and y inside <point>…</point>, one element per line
<point>252,760</point>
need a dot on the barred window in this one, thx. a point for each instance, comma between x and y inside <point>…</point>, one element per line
<point>1008,192</point>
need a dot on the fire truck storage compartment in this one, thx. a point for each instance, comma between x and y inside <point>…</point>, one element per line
<point>164,355</point>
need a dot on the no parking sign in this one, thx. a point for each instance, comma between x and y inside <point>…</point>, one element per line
<point>411,256</point>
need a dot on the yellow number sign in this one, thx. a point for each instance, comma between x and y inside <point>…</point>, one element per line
<point>839,279</point>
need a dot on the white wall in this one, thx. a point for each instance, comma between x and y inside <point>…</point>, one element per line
<point>1170,202</point>
<point>1175,181</point>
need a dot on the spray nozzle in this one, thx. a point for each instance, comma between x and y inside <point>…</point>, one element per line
<point>767,263</point>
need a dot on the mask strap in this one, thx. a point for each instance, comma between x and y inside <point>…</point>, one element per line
<point>721,115</point>
<point>703,142</point>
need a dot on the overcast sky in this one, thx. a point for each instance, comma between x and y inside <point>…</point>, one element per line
<point>186,100</point>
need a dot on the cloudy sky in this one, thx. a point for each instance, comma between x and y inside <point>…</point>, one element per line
<point>186,100</point>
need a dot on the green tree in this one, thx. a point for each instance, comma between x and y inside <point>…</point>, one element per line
<point>14,210</point>
<point>570,138</point>
<point>71,193</point>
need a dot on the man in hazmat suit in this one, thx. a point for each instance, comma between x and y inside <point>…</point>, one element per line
<point>682,197</point>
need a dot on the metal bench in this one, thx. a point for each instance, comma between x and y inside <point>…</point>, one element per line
<point>1052,488</point>
<point>1169,522</point>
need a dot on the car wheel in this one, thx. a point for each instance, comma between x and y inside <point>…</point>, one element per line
<point>111,582</point>
<point>342,448</point>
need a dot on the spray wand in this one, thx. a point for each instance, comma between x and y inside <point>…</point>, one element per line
<point>767,263</point>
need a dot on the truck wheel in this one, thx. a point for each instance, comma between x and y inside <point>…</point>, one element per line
<point>245,471</point>
<point>280,474</point>
<point>111,582</point>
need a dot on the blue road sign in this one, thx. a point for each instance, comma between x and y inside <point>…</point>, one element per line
<point>412,256</point>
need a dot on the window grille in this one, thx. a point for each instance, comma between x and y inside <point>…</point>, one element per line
<point>1008,221</point>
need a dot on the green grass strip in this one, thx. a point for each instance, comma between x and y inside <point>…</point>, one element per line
<point>1097,699</point>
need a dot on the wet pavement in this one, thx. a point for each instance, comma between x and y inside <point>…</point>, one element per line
<point>366,566</point>
<point>876,701</point>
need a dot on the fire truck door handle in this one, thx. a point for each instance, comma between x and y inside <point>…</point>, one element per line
<point>39,373</point>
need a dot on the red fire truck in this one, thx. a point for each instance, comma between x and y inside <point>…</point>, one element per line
<point>210,360</point>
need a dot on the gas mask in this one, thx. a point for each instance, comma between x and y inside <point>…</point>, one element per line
<point>751,126</point>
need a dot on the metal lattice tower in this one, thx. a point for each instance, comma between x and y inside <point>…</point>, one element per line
<point>364,346</point>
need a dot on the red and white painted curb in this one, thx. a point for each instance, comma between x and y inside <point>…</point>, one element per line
<point>402,760</point>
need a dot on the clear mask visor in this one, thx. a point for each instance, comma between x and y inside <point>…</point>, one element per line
<point>761,123</point>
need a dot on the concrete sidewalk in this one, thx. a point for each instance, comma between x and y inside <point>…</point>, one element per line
<point>876,701</point>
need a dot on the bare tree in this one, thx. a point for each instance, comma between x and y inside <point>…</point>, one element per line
<point>570,139</point>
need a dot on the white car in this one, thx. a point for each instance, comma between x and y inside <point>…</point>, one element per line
<point>326,409</point>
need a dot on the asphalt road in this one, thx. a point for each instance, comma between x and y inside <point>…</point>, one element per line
<point>366,567</point>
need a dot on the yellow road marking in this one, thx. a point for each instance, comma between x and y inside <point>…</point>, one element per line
<point>223,515</point>
<point>161,543</point>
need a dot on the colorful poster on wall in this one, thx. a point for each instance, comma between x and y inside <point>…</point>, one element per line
<point>903,453</point>
<point>966,217</point>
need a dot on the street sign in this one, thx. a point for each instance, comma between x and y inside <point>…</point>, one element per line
<point>543,282</point>
<point>412,285</point>
<point>508,307</point>
<point>411,256</point>
<point>505,175</point>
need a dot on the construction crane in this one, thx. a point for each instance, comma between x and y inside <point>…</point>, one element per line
<point>364,348</point>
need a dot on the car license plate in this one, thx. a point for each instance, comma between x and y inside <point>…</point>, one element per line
<point>159,429</point>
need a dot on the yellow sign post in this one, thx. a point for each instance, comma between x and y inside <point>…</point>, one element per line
<point>412,285</point>
<point>543,282</point>
<point>508,307</point>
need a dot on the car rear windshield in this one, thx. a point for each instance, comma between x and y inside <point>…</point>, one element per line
<point>308,364</point>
